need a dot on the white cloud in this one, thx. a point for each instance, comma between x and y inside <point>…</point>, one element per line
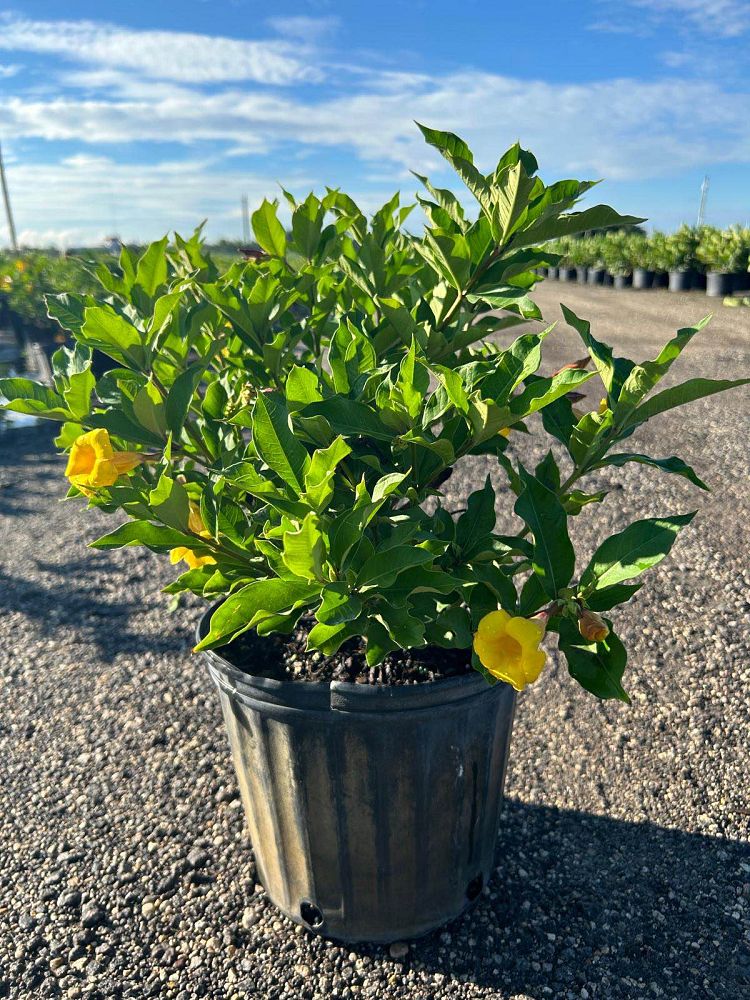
<point>8,70</point>
<point>88,197</point>
<point>306,29</point>
<point>592,128</point>
<point>717,18</point>
<point>161,55</point>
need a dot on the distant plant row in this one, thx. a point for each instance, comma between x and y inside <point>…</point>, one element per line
<point>691,250</point>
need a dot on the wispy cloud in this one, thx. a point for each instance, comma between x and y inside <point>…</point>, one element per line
<point>7,71</point>
<point>161,55</point>
<point>90,196</point>
<point>596,128</point>
<point>717,18</point>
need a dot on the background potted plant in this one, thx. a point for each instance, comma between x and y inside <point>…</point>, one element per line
<point>597,271</point>
<point>617,255</point>
<point>282,430</point>
<point>644,270</point>
<point>565,269</point>
<point>679,254</point>
<point>581,255</point>
<point>723,253</point>
<point>659,258</point>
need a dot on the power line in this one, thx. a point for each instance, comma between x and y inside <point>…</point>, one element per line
<point>6,199</point>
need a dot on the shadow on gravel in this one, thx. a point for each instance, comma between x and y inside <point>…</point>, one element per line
<point>587,899</point>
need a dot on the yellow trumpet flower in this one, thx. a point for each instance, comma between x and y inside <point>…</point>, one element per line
<point>508,648</point>
<point>181,553</point>
<point>94,463</point>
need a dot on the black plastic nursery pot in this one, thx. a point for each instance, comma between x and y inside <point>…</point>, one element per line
<point>566,273</point>
<point>623,280</point>
<point>373,810</point>
<point>680,281</point>
<point>719,283</point>
<point>595,276</point>
<point>582,274</point>
<point>643,278</point>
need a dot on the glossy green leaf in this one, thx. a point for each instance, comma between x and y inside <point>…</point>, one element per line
<point>276,443</point>
<point>631,552</point>
<point>598,666</point>
<point>554,558</point>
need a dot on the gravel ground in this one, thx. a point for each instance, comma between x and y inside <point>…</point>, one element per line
<point>623,868</point>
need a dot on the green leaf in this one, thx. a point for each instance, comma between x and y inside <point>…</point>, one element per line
<point>78,393</point>
<point>106,330</point>
<point>612,371</point>
<point>458,154</point>
<point>382,568</point>
<point>387,485</point>
<point>261,597</point>
<point>695,388</point>
<point>478,520</point>
<point>405,630</point>
<point>180,395</point>
<point>640,546</point>
<point>304,549</point>
<point>673,464</point>
<point>169,502</point>
<point>350,418</point>
<point>320,473</point>
<point>329,638</point>
<point>301,388</point>
<point>643,378</point>
<point>339,605</point>
<point>598,666</point>
<point>154,536</point>
<point>597,217</point>
<point>543,391</point>
<point>610,597</point>
<point>554,558</point>
<point>25,396</point>
<point>275,441</point>
<point>151,272</point>
<point>268,230</point>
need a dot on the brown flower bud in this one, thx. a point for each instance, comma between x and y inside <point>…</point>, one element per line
<point>592,626</point>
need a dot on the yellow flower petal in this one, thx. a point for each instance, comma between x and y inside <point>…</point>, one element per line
<point>527,632</point>
<point>494,623</point>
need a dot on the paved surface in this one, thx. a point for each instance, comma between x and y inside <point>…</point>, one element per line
<point>623,866</point>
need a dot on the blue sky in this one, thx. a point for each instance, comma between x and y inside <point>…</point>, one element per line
<point>161,114</point>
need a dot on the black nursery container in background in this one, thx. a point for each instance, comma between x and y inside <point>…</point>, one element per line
<point>680,281</point>
<point>643,278</point>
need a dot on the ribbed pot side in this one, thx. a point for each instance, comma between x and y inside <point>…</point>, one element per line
<point>373,810</point>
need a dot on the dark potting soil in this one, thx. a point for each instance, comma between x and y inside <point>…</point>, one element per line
<point>284,657</point>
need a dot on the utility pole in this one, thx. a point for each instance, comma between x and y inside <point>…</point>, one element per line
<point>704,196</point>
<point>245,220</point>
<point>6,199</point>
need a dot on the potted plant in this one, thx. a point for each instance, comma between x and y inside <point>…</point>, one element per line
<point>597,271</point>
<point>617,255</point>
<point>659,258</point>
<point>581,257</point>
<point>724,253</point>
<point>679,252</point>
<point>644,271</point>
<point>565,270</point>
<point>283,431</point>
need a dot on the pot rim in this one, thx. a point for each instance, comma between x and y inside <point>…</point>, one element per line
<point>338,695</point>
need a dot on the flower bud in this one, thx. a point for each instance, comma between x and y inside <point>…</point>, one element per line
<point>592,626</point>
